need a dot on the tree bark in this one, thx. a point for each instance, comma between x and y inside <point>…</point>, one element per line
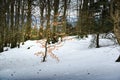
<point>45,55</point>
<point>115,15</point>
<point>97,40</point>
<point>29,21</point>
<point>56,14</point>
<point>117,31</point>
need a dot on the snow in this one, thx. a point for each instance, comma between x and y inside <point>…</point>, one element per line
<point>77,62</point>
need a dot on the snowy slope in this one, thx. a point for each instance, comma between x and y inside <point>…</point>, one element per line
<point>77,62</point>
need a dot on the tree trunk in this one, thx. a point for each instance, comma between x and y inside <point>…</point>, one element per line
<point>97,40</point>
<point>64,15</point>
<point>1,47</point>
<point>115,15</point>
<point>56,14</point>
<point>12,26</point>
<point>29,21</point>
<point>44,58</point>
<point>42,8</point>
<point>2,25</point>
<point>22,22</point>
<point>117,31</point>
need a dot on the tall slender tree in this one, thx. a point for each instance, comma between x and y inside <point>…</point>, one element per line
<point>2,24</point>
<point>29,20</point>
<point>42,6</point>
<point>56,14</point>
<point>47,30</point>
<point>12,26</point>
<point>115,15</point>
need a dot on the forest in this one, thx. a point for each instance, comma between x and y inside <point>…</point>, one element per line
<point>17,23</point>
<point>52,22</point>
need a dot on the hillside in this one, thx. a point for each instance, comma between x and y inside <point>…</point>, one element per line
<point>76,62</point>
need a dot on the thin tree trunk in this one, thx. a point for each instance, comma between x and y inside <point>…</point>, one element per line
<point>13,42</point>
<point>42,8</point>
<point>28,27</point>
<point>56,14</point>
<point>97,40</point>
<point>44,58</point>
<point>64,16</point>
<point>22,22</point>
<point>2,24</point>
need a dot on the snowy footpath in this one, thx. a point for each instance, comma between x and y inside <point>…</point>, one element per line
<point>77,62</point>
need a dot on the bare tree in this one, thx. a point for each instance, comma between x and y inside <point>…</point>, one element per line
<point>48,31</point>
<point>42,6</point>
<point>29,20</point>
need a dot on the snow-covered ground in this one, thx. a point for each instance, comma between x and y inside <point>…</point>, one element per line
<point>77,62</point>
